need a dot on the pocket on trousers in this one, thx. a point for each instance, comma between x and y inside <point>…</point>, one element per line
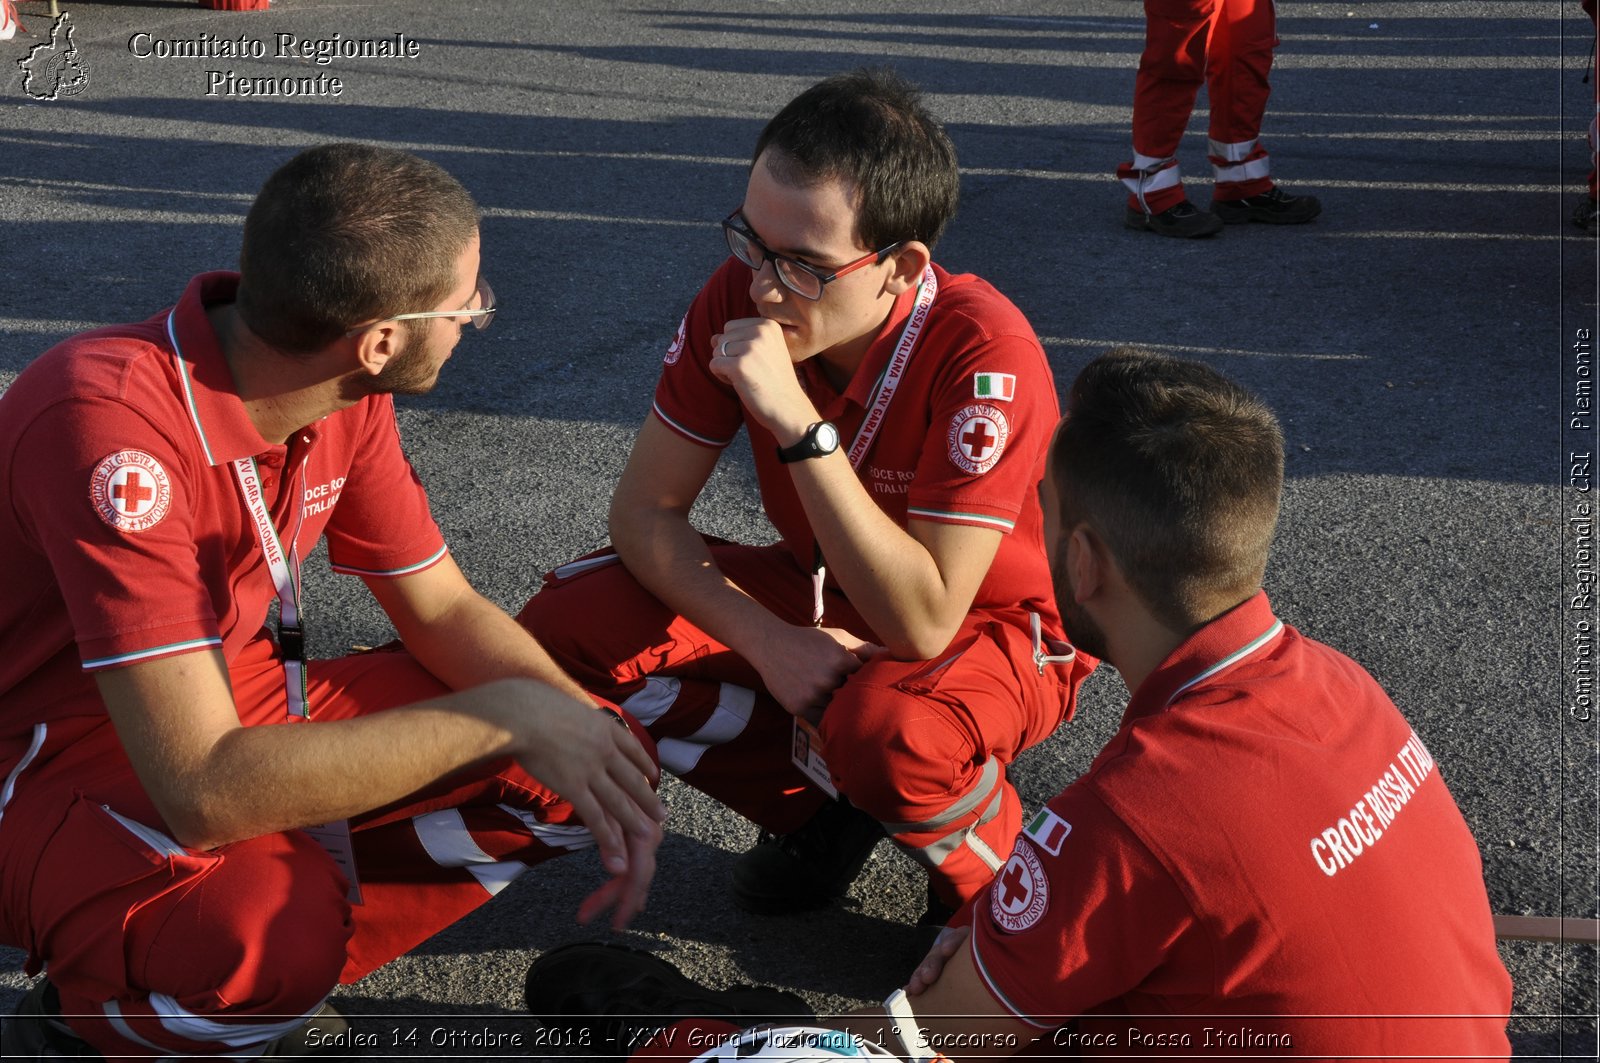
<point>96,870</point>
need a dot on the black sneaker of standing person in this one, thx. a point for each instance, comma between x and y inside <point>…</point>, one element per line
<point>1274,206</point>
<point>1185,221</point>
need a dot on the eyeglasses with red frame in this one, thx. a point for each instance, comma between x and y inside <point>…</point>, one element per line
<point>808,282</point>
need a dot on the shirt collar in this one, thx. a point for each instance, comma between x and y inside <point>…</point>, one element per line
<point>216,412</point>
<point>1248,628</point>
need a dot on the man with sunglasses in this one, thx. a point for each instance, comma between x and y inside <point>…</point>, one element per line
<point>202,831</point>
<point>898,415</point>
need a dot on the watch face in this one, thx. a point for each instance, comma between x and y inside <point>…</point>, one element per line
<point>827,437</point>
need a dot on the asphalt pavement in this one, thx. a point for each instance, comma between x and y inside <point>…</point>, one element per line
<point>1427,343</point>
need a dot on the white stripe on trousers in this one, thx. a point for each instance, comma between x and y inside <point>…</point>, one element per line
<point>727,722</point>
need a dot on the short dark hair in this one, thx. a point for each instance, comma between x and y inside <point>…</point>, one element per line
<point>1179,471</point>
<point>347,233</point>
<point>869,129</point>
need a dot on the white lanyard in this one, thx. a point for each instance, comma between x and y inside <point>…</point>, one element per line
<point>877,410</point>
<point>878,405</point>
<point>285,569</point>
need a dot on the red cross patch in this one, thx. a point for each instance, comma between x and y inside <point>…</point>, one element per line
<point>675,351</point>
<point>130,491</point>
<point>1021,892</point>
<point>977,437</point>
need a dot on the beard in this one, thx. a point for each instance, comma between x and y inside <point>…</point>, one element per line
<point>411,372</point>
<point>1081,629</point>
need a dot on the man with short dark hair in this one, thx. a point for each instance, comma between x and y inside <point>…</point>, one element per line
<point>1263,861</point>
<point>201,831</point>
<point>899,415</point>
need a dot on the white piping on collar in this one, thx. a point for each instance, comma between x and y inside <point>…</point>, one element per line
<point>1232,659</point>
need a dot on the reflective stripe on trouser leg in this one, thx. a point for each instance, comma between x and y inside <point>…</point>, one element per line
<point>1154,185</point>
<point>201,1035</point>
<point>728,741</point>
<point>727,720</point>
<point>1241,169</point>
<point>1238,66</point>
<point>962,845</point>
<point>936,852</point>
<point>445,837</point>
<point>422,873</point>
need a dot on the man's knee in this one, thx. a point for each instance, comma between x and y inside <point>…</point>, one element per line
<point>891,752</point>
<point>264,931</point>
<point>591,615</point>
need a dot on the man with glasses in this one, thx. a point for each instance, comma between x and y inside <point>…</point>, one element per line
<point>899,646</point>
<point>202,831</point>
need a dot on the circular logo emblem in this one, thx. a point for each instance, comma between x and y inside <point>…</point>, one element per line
<point>1021,892</point>
<point>130,491</point>
<point>67,74</point>
<point>978,437</point>
<point>675,351</point>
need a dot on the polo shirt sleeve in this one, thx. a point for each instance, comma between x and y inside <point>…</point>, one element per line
<point>1061,932</point>
<point>108,499</point>
<point>381,526</point>
<point>993,411</point>
<point>689,399</point>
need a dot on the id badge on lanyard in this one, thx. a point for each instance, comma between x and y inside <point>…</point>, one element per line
<point>285,569</point>
<point>806,750</point>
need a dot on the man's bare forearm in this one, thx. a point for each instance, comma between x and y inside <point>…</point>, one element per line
<point>672,561</point>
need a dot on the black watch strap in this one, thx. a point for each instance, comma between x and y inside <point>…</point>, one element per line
<point>820,439</point>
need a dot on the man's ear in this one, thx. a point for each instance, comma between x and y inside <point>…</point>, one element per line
<point>910,259</point>
<point>377,345</point>
<point>1087,559</point>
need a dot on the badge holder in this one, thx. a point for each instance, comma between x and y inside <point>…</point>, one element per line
<point>807,756</point>
<point>335,840</point>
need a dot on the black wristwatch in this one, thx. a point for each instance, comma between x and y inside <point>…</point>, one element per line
<point>820,439</point>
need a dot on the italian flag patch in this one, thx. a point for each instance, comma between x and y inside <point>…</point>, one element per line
<point>997,386</point>
<point>1049,831</point>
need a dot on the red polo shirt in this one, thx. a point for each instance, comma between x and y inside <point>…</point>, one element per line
<point>123,524</point>
<point>1262,862</point>
<point>962,441</point>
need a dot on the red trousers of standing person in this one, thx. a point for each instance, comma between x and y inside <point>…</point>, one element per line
<point>160,950</point>
<point>1227,46</point>
<point>920,746</point>
<point>1593,12</point>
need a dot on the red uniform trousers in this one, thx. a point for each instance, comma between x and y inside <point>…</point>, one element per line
<point>1227,45</point>
<point>920,746</point>
<point>1594,123</point>
<point>160,950</point>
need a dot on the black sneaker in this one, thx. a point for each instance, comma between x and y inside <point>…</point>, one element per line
<point>809,868</point>
<point>1184,220</point>
<point>606,1000</point>
<point>37,1031</point>
<point>1587,216</point>
<point>1274,206</point>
